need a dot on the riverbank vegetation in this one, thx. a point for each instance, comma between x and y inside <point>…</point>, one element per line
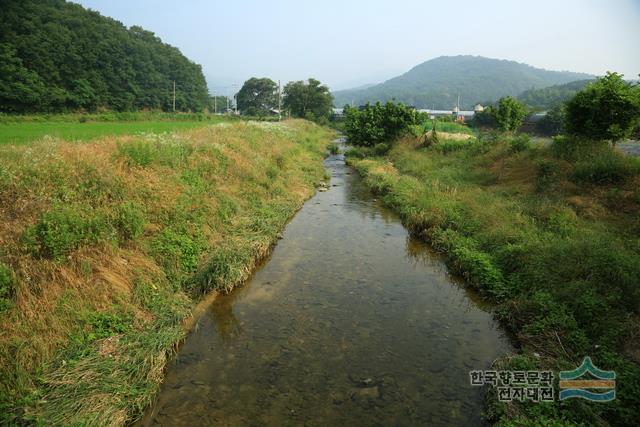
<point>550,233</point>
<point>106,245</point>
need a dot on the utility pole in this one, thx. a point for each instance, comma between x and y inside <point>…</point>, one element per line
<point>227,105</point>
<point>174,96</point>
<point>279,102</point>
<point>215,104</point>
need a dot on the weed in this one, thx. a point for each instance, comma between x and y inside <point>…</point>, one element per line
<point>607,168</point>
<point>6,288</point>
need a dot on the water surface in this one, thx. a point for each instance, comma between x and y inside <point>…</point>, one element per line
<point>350,322</point>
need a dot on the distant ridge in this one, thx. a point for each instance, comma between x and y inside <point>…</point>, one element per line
<point>436,83</point>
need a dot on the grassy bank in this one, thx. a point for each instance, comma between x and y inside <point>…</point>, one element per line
<point>106,245</point>
<point>551,234</point>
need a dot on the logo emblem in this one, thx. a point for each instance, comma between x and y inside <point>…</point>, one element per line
<point>572,386</point>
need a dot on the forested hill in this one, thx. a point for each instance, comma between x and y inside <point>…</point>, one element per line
<point>548,97</point>
<point>58,56</point>
<point>437,83</point>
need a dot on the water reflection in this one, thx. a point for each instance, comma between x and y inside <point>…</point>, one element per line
<point>350,322</point>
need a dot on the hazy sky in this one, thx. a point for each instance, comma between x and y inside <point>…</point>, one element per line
<point>349,43</point>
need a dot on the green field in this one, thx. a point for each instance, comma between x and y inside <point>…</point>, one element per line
<point>21,132</point>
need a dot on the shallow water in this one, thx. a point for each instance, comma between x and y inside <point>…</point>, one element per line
<point>349,322</point>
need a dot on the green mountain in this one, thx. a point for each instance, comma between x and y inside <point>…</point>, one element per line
<point>438,82</point>
<point>548,97</point>
<point>58,56</point>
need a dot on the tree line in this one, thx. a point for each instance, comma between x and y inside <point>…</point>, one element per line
<point>308,99</point>
<point>57,56</point>
<point>606,109</point>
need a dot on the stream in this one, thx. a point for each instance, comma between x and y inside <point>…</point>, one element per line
<point>349,322</point>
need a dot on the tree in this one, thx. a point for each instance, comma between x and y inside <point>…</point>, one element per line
<point>607,109</point>
<point>378,123</point>
<point>257,97</point>
<point>218,104</point>
<point>553,123</point>
<point>509,113</point>
<point>310,100</point>
<point>58,56</point>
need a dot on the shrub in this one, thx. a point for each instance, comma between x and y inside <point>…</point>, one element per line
<point>381,149</point>
<point>63,229</point>
<point>607,109</point>
<point>520,143</point>
<point>177,252</point>
<point>333,148</point>
<point>509,113</point>
<point>378,123</point>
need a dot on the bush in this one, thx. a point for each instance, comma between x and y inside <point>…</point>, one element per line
<point>607,109</point>
<point>63,229</point>
<point>509,113</point>
<point>381,149</point>
<point>177,252</point>
<point>333,148</point>
<point>608,168</point>
<point>520,143</point>
<point>378,123</point>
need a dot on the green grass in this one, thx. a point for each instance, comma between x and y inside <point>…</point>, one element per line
<point>548,233</point>
<point>27,132</point>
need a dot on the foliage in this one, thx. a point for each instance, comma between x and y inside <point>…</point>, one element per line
<point>551,97</point>
<point>484,118</point>
<point>257,97</point>
<point>607,109</point>
<point>58,56</point>
<point>509,113</point>
<point>129,220</point>
<point>553,123</point>
<point>520,143</point>
<point>308,100</point>
<point>608,168</point>
<point>377,123</point>
<point>218,104</point>
<point>63,229</point>
<point>438,82</point>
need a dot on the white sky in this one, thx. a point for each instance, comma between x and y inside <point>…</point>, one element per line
<point>348,43</point>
